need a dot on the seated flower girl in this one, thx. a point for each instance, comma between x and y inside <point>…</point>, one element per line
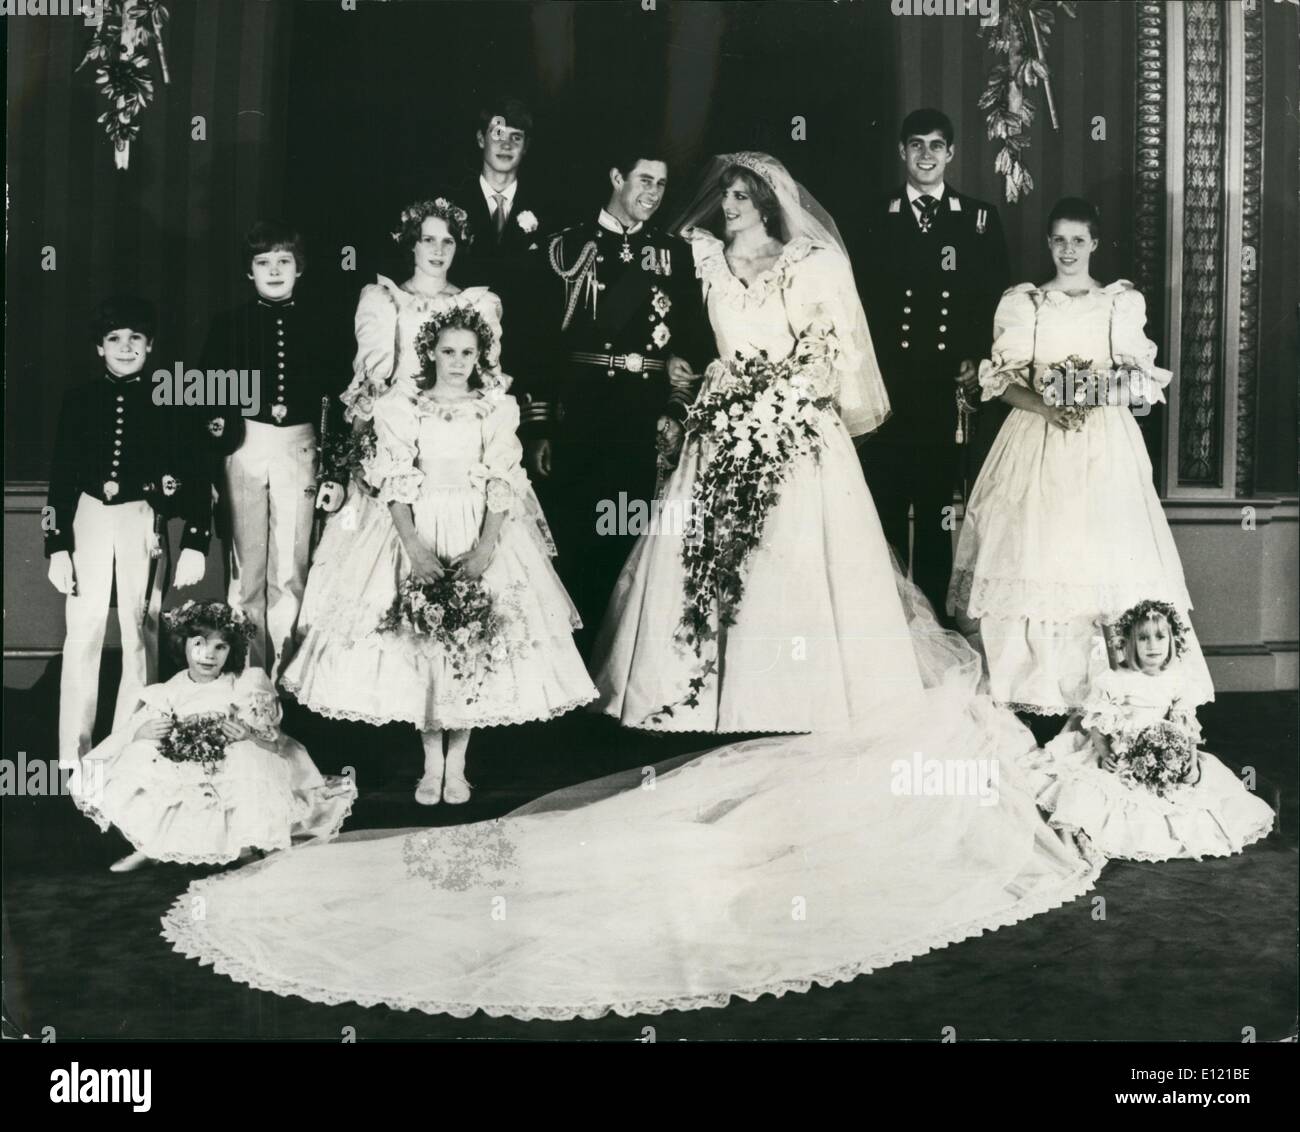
<point>1127,773</point>
<point>200,773</point>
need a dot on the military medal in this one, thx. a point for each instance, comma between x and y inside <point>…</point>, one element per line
<point>981,220</point>
<point>625,256</point>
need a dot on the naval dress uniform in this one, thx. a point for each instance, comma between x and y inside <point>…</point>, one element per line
<point>619,303</point>
<point>267,462</point>
<point>119,461</point>
<point>933,275</point>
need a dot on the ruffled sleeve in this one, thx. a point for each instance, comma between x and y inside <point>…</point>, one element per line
<point>1130,348</point>
<point>502,471</point>
<point>1104,708</point>
<point>256,704</point>
<point>1013,343</point>
<point>376,331</point>
<point>393,470</point>
<point>488,305</point>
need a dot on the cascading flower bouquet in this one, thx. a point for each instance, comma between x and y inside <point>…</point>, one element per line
<point>196,739</point>
<point>346,452</point>
<point>1158,758</point>
<point>461,619</point>
<point>753,420</point>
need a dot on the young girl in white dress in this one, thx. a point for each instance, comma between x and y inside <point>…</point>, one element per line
<point>1064,530</point>
<point>264,791</point>
<point>448,467</point>
<point>388,318</point>
<point>1209,814</point>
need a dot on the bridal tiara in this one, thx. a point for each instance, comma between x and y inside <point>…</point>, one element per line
<point>758,163</point>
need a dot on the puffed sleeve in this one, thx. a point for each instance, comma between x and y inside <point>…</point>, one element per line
<point>393,470</point>
<point>488,305</point>
<point>809,287</point>
<point>1013,343</point>
<point>1130,348</point>
<point>256,704</point>
<point>1103,707</point>
<point>502,470</point>
<point>375,326</point>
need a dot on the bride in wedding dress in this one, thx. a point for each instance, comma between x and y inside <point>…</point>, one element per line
<point>761,867</point>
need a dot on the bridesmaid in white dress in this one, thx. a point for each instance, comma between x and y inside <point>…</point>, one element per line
<point>820,639</point>
<point>1064,530</point>
<point>388,318</point>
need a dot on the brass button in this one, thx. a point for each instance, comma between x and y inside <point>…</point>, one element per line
<point>907,310</point>
<point>943,310</point>
<point>943,330</point>
<point>943,294</point>
<point>908,293</point>
<point>903,344</point>
<point>942,346</point>
<point>906,326</point>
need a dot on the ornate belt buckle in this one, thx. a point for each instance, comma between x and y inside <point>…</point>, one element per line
<point>633,363</point>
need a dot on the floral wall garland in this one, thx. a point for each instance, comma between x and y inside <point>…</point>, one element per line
<point>1022,34</point>
<point>120,45</point>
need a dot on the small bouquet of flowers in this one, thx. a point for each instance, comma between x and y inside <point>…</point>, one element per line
<point>195,739</point>
<point>1158,758</point>
<point>459,616</point>
<point>1070,385</point>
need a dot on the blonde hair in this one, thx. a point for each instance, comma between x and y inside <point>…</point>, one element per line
<point>1130,639</point>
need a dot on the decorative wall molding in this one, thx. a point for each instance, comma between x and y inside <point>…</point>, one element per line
<point>1149,160</point>
<point>1252,58</point>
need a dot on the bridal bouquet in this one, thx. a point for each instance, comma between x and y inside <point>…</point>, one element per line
<point>346,451</point>
<point>195,739</point>
<point>1070,385</point>
<point>459,617</point>
<point>1158,757</point>
<point>260,712</point>
<point>753,422</point>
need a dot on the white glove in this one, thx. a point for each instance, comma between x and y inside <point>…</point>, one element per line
<point>62,576</point>
<point>189,569</point>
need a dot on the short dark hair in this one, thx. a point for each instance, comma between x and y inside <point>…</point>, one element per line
<point>514,110</point>
<point>763,195</point>
<point>926,121</point>
<point>1077,209</point>
<point>629,152</point>
<point>123,311</point>
<point>273,235</point>
<point>179,634</point>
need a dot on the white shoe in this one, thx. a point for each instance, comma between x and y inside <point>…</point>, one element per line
<point>129,863</point>
<point>455,790</point>
<point>428,791</point>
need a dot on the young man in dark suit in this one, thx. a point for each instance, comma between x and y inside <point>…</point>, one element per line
<point>934,267</point>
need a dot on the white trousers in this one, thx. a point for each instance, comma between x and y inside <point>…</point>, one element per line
<point>112,545</point>
<point>271,490</point>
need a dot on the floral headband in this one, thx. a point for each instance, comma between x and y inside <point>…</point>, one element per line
<point>458,316</point>
<point>416,214</point>
<point>1146,610</point>
<point>196,615</point>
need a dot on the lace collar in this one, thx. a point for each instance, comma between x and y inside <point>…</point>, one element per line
<point>712,267</point>
<point>467,296</point>
<point>482,404</point>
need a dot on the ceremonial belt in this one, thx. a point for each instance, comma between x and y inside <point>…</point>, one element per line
<point>629,363</point>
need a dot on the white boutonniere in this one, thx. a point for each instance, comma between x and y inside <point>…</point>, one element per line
<point>527,221</point>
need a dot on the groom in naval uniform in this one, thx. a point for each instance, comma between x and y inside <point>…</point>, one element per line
<point>933,270</point>
<point>624,332</point>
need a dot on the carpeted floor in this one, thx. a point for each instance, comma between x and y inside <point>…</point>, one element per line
<point>1182,950</point>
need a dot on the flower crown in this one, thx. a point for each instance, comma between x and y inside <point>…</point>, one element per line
<point>458,316</point>
<point>194,615</point>
<point>1150,608</point>
<point>416,214</point>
